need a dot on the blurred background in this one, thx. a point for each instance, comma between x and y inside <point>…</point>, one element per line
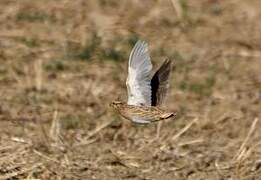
<point>63,62</point>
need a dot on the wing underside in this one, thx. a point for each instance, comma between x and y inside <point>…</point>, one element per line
<point>139,70</point>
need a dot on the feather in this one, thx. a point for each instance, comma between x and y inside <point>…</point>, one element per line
<point>160,83</point>
<point>139,70</point>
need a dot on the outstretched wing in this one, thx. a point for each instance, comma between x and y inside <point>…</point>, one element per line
<point>160,83</point>
<point>138,81</point>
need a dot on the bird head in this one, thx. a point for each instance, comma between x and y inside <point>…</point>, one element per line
<point>116,104</point>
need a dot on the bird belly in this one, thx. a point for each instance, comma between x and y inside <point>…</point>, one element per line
<point>140,120</point>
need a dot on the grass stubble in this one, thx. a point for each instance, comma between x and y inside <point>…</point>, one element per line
<point>62,62</point>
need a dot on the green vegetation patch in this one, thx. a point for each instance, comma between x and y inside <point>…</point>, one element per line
<point>33,16</point>
<point>55,66</point>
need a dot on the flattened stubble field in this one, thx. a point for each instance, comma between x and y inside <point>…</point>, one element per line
<point>63,62</point>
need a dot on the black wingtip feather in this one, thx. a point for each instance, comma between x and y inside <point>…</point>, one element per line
<point>162,75</point>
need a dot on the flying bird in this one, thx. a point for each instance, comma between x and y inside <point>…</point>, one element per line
<point>145,94</point>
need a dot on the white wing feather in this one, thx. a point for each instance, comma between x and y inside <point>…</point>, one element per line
<point>138,81</point>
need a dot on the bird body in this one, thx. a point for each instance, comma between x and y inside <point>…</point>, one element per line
<point>145,94</point>
<point>141,114</point>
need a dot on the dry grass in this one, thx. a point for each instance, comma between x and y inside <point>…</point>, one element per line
<point>63,62</point>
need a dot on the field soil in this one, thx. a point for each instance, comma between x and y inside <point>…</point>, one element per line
<point>63,62</point>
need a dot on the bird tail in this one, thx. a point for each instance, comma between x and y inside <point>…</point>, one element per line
<point>168,115</point>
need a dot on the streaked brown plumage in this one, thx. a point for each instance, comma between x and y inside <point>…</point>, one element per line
<point>149,114</point>
<point>145,94</point>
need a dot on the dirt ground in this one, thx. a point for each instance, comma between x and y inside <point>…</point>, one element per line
<point>63,62</point>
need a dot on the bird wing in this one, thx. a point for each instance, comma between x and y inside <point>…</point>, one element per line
<point>139,70</point>
<point>160,83</point>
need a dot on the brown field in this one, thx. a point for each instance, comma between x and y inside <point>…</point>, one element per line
<point>63,62</point>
